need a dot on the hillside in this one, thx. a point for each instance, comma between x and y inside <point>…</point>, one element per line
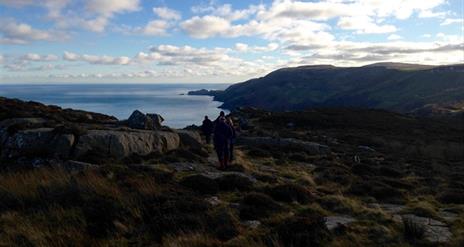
<point>396,87</point>
<point>327,177</point>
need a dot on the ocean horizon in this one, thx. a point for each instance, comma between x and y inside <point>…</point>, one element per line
<point>120,100</point>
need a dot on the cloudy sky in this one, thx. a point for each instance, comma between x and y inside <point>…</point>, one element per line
<point>217,41</point>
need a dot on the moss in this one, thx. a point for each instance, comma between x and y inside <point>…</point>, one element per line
<point>290,193</point>
<point>257,205</point>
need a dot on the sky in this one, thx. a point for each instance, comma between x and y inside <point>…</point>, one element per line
<point>158,41</point>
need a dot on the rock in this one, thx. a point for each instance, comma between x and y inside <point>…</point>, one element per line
<point>156,121</point>
<point>7,126</point>
<point>138,120</point>
<point>366,148</point>
<point>190,139</point>
<point>213,201</point>
<point>287,143</point>
<point>186,166</point>
<point>200,183</point>
<point>218,175</point>
<point>121,144</point>
<point>253,224</point>
<point>74,165</point>
<point>435,231</point>
<point>40,142</point>
<point>333,222</point>
<point>448,215</point>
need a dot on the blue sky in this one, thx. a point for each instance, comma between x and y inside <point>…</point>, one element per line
<point>217,41</point>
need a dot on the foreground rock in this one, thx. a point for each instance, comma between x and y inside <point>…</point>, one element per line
<point>121,144</point>
<point>37,142</point>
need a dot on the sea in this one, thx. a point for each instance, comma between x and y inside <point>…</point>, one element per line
<point>120,100</point>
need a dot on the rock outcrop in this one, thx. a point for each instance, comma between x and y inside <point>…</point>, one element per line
<point>37,142</point>
<point>121,144</point>
<point>138,120</point>
<point>190,139</point>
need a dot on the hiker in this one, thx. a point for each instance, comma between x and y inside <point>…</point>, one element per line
<point>207,129</point>
<point>222,136</point>
<point>232,138</point>
<point>221,114</point>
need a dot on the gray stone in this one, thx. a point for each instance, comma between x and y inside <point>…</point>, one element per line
<point>218,175</point>
<point>333,222</point>
<point>448,215</point>
<point>190,139</point>
<point>24,122</point>
<point>435,231</point>
<point>213,201</point>
<point>253,224</point>
<point>138,120</point>
<point>186,166</point>
<point>156,121</point>
<point>38,142</point>
<point>120,144</point>
<point>73,165</point>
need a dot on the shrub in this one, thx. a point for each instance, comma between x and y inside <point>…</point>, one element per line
<point>412,230</point>
<point>231,182</point>
<point>303,231</point>
<point>201,184</point>
<point>451,196</point>
<point>257,205</point>
<point>290,193</point>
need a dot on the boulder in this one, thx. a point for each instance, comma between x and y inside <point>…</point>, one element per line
<point>39,142</point>
<point>333,222</point>
<point>138,120</point>
<point>190,139</point>
<point>8,126</point>
<point>121,144</point>
<point>156,120</point>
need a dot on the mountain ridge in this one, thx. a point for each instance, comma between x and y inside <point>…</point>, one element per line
<point>404,88</point>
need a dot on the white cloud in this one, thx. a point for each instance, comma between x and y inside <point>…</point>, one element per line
<point>449,21</point>
<point>93,59</point>
<point>394,37</point>
<point>167,13</point>
<point>156,28</point>
<point>241,47</point>
<point>206,26</point>
<point>13,32</point>
<point>364,24</point>
<point>33,57</point>
<point>109,7</point>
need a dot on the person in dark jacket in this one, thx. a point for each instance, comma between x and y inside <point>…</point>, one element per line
<point>207,129</point>
<point>230,122</point>
<point>222,136</point>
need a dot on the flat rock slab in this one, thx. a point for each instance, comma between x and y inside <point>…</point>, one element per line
<point>333,222</point>
<point>216,175</point>
<point>187,166</point>
<point>435,231</point>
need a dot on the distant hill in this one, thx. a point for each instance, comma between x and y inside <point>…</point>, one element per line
<point>399,87</point>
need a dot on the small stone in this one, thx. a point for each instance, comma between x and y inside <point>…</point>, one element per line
<point>213,201</point>
<point>333,222</point>
<point>253,224</point>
